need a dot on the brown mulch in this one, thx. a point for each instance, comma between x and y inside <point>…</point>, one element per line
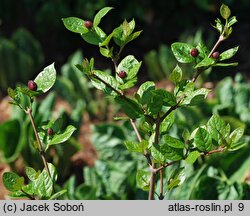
<point>88,155</point>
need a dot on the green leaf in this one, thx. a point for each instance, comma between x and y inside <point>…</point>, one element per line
<point>195,97</point>
<point>145,92</point>
<point>176,178</point>
<point>218,129</point>
<point>63,136</point>
<point>173,142</point>
<point>228,53</point>
<point>118,36</point>
<point>167,123</point>
<point>121,118</point>
<point>96,36</point>
<point>57,125</point>
<point>184,85</point>
<point>43,185</point>
<point>133,36</point>
<point>11,93</point>
<point>225,12</point>
<point>163,152</point>
<point>28,92</point>
<point>100,15</point>
<point>31,173</point>
<point>237,146</point>
<point>46,79</point>
<point>12,181</point>
<point>236,134</point>
<point>107,40</point>
<point>203,140</point>
<point>192,157</point>
<point>85,192</point>
<point>29,189</point>
<point>136,147</point>
<point>58,194</point>
<point>231,21</point>
<point>130,65</point>
<point>128,84</point>
<point>206,62</point>
<point>126,28</point>
<point>142,179</point>
<point>226,64</point>
<point>174,183</point>
<point>75,24</point>
<point>203,50</point>
<point>157,154</point>
<point>105,83</point>
<point>219,26</point>
<point>181,52</point>
<point>166,97</point>
<point>10,136</point>
<point>106,52</point>
<point>176,75</point>
<point>130,107</point>
<point>159,98</point>
<point>186,135</point>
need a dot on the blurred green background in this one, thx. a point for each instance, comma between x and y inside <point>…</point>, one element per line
<point>32,36</point>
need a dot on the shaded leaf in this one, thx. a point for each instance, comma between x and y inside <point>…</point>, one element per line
<point>173,142</point>
<point>95,36</point>
<point>163,152</point>
<point>167,98</point>
<point>130,107</point>
<point>176,75</point>
<point>236,135</point>
<point>142,179</point>
<point>12,181</point>
<point>192,157</point>
<point>174,183</point>
<point>136,147</point>
<point>203,140</point>
<point>104,81</point>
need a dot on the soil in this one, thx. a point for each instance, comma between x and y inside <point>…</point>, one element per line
<point>5,109</point>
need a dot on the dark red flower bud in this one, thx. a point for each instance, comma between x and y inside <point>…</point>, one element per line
<point>50,131</point>
<point>216,55</point>
<point>32,85</point>
<point>88,24</point>
<point>122,74</point>
<point>194,52</point>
